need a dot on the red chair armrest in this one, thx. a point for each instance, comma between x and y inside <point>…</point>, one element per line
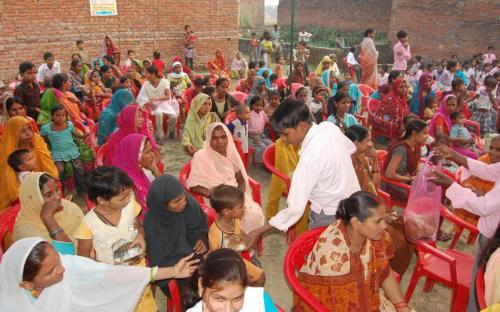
<point>445,213</point>
<point>404,186</point>
<point>255,186</point>
<point>475,125</point>
<point>426,248</point>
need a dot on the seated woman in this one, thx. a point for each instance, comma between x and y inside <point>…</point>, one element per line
<point>298,73</point>
<point>154,91</point>
<point>135,77</point>
<point>218,162</point>
<point>132,119</point>
<point>19,134</point>
<point>136,156</point>
<point>76,80</point>
<point>340,115</point>
<point>222,102</point>
<point>36,278</point>
<point>60,94</point>
<point>14,106</point>
<point>402,160</point>
<point>199,118</point>
<point>367,167</point>
<point>246,84</point>
<point>175,225</point>
<point>394,106</point>
<point>217,66</point>
<point>324,65</point>
<point>179,77</point>
<point>441,123</point>
<point>349,264</point>
<point>99,94</point>
<point>107,121</point>
<point>221,272</point>
<point>423,89</point>
<point>45,214</point>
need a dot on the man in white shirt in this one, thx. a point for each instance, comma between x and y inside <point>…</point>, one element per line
<point>48,69</point>
<point>351,61</point>
<point>304,36</point>
<point>324,175</point>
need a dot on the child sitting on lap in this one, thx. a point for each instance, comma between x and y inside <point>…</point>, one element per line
<point>459,131</point>
<point>225,232</point>
<point>22,162</point>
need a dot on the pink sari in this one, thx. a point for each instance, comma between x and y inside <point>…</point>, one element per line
<point>126,122</point>
<point>127,158</point>
<point>368,61</point>
<point>210,169</point>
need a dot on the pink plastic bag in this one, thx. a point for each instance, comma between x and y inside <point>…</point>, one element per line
<point>421,216</point>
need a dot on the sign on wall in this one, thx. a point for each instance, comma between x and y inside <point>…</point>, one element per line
<point>103,7</point>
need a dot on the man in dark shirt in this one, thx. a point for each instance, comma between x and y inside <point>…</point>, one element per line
<point>28,90</point>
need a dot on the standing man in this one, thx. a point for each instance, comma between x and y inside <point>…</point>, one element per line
<point>401,51</point>
<point>324,174</point>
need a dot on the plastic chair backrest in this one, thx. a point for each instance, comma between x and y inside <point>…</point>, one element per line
<point>230,117</point>
<point>386,198</point>
<point>7,222</point>
<point>183,176</point>
<point>373,105</point>
<point>294,260</point>
<point>480,291</point>
<point>210,213</point>
<point>269,156</point>
<point>100,154</point>
<point>366,90</point>
<point>174,303</point>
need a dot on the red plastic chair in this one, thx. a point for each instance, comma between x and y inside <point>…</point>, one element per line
<point>245,157</point>
<point>475,128</point>
<point>210,212</point>
<point>450,268</point>
<point>183,176</point>
<point>280,309</point>
<point>100,154</point>
<point>366,90</point>
<point>381,154</point>
<point>480,291</point>
<point>7,222</point>
<point>174,303</point>
<point>380,127</point>
<point>294,260</point>
<point>230,118</point>
<point>364,104</point>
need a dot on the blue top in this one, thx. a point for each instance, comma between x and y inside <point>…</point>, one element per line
<point>107,121</point>
<point>63,148</point>
<point>459,131</point>
<point>349,120</point>
<point>269,304</point>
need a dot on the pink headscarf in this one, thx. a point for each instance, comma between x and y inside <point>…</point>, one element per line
<point>126,125</point>
<point>127,158</point>
<point>441,112</point>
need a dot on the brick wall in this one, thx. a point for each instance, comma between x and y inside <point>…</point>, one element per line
<point>339,14</point>
<point>29,28</point>
<point>254,9</point>
<point>439,28</point>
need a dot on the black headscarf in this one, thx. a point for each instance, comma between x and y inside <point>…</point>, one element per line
<point>171,236</point>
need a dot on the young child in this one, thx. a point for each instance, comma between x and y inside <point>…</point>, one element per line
<point>274,101</point>
<point>59,134</point>
<point>239,126</point>
<point>354,94</point>
<point>459,131</point>
<point>47,70</point>
<point>130,58</point>
<point>158,63</point>
<point>416,66</point>
<point>258,120</point>
<point>383,75</point>
<point>179,76</point>
<point>125,83</point>
<point>22,162</point>
<point>430,102</point>
<point>225,232</point>
<point>28,90</point>
<point>318,105</point>
<point>238,66</point>
<point>98,92</point>
<point>189,46</point>
<point>113,223</point>
<point>444,140</point>
<point>482,106</point>
<point>254,47</point>
<point>267,49</point>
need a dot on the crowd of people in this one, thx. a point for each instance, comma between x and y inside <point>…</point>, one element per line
<point>95,131</point>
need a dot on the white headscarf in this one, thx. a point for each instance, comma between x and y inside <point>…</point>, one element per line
<point>87,285</point>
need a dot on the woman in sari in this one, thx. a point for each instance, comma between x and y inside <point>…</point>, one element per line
<point>136,156</point>
<point>417,105</point>
<point>132,119</point>
<point>219,162</point>
<point>12,107</point>
<point>349,266</point>
<point>368,59</point>
<point>60,94</point>
<point>367,167</point>
<point>108,48</point>
<point>76,80</point>
<point>19,134</point>
<point>43,211</point>
<point>298,73</point>
<point>222,101</point>
<point>324,65</point>
<point>135,77</point>
<point>217,66</point>
<point>394,106</point>
<point>199,118</point>
<point>107,121</point>
<point>36,278</point>
<point>441,123</point>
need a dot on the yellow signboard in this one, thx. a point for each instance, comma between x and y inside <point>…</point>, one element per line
<point>103,8</point>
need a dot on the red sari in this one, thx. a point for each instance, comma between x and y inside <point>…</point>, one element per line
<point>394,108</point>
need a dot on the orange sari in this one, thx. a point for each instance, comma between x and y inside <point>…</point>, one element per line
<point>368,61</point>
<point>342,280</point>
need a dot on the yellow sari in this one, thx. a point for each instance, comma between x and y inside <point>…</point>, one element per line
<point>9,185</point>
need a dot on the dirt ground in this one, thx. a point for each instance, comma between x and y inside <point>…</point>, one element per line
<point>275,247</point>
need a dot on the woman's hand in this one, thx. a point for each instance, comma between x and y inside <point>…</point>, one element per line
<point>200,247</point>
<point>190,149</point>
<point>139,241</point>
<point>49,208</point>
<point>185,267</point>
